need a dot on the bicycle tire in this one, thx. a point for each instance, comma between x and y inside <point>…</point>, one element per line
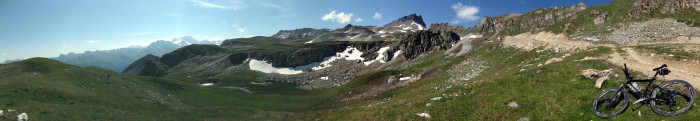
<point>597,100</point>
<point>685,108</point>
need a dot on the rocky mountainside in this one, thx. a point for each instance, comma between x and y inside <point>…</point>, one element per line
<point>532,21</point>
<point>447,27</point>
<point>413,44</point>
<point>289,57</point>
<point>663,6</point>
<point>118,59</point>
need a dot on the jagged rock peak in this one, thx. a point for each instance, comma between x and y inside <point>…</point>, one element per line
<point>410,18</point>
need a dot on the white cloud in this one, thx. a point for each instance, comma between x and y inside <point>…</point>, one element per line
<point>92,41</point>
<point>358,20</point>
<point>377,16</point>
<point>465,13</point>
<point>234,5</point>
<point>341,17</point>
<point>238,27</point>
<point>4,54</point>
<point>64,45</point>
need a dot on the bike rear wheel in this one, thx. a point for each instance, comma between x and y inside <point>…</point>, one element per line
<point>610,103</point>
<point>672,98</point>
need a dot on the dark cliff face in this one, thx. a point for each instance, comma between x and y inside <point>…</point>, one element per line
<point>176,57</point>
<point>414,44</point>
<point>299,33</point>
<point>315,52</point>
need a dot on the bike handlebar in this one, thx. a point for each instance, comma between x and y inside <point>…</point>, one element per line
<point>662,66</point>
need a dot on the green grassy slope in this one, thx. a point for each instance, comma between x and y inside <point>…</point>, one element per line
<point>50,90</point>
<point>550,92</point>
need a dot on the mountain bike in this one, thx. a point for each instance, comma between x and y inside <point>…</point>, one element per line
<point>667,99</point>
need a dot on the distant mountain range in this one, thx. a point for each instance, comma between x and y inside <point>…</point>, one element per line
<point>118,59</point>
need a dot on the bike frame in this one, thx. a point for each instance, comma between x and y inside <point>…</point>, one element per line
<point>638,94</point>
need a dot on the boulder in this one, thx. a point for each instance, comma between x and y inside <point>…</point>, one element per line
<point>512,104</point>
<point>423,115</point>
<point>23,117</point>
<point>601,75</point>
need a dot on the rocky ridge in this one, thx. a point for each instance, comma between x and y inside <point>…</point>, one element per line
<point>447,27</point>
<point>532,21</point>
<point>299,33</point>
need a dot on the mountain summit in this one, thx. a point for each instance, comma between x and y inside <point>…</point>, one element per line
<point>412,22</point>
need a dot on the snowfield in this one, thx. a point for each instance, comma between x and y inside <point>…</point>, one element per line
<point>263,66</point>
<point>351,53</point>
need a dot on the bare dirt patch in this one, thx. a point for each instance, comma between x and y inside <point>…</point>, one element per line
<point>546,40</point>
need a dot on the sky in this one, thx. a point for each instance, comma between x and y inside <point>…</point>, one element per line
<point>47,28</point>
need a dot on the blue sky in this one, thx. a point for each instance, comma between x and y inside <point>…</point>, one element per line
<point>47,28</point>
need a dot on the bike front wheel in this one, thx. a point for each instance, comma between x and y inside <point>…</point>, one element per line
<point>610,103</point>
<point>672,98</point>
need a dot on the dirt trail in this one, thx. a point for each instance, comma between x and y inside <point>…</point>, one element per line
<point>636,61</point>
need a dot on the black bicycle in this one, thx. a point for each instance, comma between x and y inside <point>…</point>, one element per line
<point>668,98</point>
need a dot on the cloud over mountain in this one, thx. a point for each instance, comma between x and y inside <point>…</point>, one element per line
<point>340,17</point>
<point>465,12</point>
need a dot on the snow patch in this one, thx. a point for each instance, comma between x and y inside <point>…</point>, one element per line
<point>351,53</point>
<point>404,78</point>
<point>472,36</point>
<point>418,26</point>
<point>405,27</point>
<point>355,37</point>
<point>396,54</point>
<point>324,78</point>
<point>380,57</point>
<point>309,42</point>
<point>207,84</point>
<point>263,66</point>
